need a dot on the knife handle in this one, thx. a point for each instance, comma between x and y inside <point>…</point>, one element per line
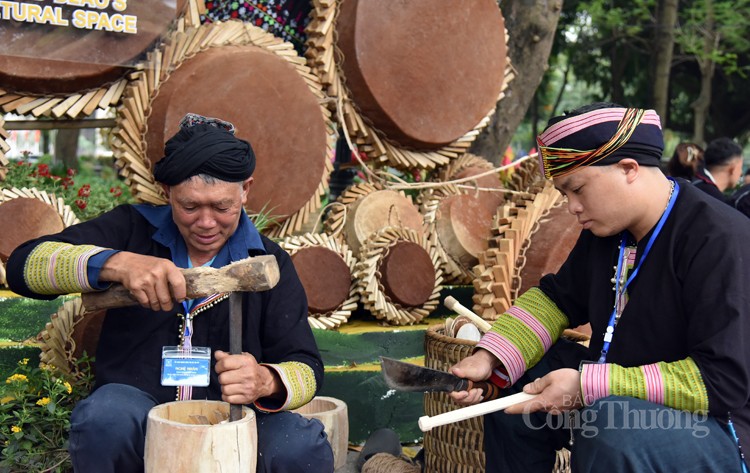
<point>489,390</point>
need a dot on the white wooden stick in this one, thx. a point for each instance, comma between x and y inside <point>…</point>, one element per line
<point>451,303</point>
<point>427,423</point>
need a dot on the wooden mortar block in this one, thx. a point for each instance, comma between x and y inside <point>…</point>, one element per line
<point>175,443</point>
<point>333,414</point>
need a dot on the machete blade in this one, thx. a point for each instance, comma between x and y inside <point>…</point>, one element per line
<point>403,376</point>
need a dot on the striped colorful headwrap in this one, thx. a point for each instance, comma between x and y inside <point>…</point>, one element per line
<point>606,135</point>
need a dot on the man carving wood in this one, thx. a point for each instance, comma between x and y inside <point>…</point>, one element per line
<point>206,173</point>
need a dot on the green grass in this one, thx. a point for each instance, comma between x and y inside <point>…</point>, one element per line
<point>22,318</point>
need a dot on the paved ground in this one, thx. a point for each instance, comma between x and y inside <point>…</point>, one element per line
<point>350,467</point>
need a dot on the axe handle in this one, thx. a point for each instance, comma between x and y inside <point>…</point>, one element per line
<point>258,273</point>
<point>427,423</point>
<point>118,295</point>
<point>235,342</point>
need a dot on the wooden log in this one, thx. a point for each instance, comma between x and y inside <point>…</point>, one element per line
<point>258,273</point>
<point>175,442</point>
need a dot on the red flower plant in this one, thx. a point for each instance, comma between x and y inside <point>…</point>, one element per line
<point>84,191</point>
<point>81,204</point>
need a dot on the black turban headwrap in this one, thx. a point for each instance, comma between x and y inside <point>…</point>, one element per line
<point>600,137</point>
<point>205,148</point>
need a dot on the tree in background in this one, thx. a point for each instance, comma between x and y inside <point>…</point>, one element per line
<point>687,59</point>
<point>531,28</point>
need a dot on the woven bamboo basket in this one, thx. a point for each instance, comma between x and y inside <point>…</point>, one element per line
<point>459,447</point>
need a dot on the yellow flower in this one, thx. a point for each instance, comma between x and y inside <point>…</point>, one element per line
<point>7,399</point>
<point>24,362</point>
<point>21,378</point>
<point>43,401</point>
<point>68,387</point>
<point>16,429</point>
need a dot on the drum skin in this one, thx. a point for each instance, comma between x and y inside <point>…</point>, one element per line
<point>325,277</point>
<point>23,219</point>
<point>270,105</point>
<point>50,59</point>
<point>423,72</point>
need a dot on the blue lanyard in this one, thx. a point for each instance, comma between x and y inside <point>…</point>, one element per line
<point>620,289</point>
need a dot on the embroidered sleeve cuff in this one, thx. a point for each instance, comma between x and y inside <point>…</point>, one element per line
<point>678,384</point>
<point>299,382</point>
<point>59,268</point>
<point>523,334</point>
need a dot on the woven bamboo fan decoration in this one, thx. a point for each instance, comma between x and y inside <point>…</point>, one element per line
<point>26,214</point>
<point>468,165</point>
<point>415,81</point>
<point>525,177</point>
<point>399,275</point>
<point>54,70</point>
<point>366,209</point>
<point>242,74</point>
<point>69,333</point>
<point>498,273</point>
<point>325,267</point>
<point>4,148</point>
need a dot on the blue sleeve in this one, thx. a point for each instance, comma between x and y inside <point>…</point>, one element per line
<point>95,264</point>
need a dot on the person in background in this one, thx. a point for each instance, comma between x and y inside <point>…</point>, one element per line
<point>722,168</point>
<point>686,159</point>
<point>206,174</point>
<point>741,197</point>
<point>660,272</point>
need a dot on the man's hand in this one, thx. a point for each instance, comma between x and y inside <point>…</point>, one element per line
<point>558,391</point>
<point>243,380</point>
<point>477,367</point>
<point>155,282</point>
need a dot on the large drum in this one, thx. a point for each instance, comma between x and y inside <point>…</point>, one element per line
<point>416,79</point>
<point>325,266</point>
<point>60,47</point>
<point>26,214</point>
<point>241,74</point>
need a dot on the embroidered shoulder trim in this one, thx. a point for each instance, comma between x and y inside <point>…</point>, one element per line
<point>59,268</point>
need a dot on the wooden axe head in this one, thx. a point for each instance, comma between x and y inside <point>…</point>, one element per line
<point>253,274</point>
